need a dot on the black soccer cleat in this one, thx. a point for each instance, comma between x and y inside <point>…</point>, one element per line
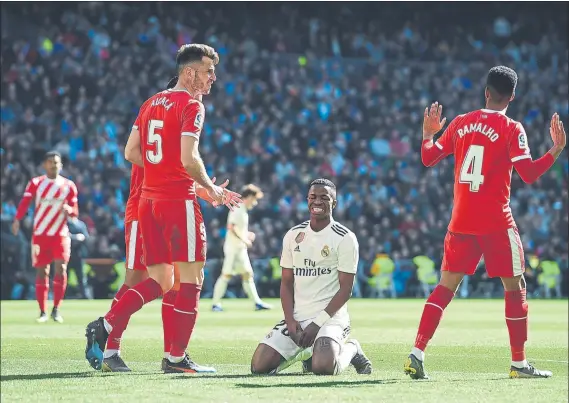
<point>414,368</point>
<point>97,336</point>
<point>186,366</point>
<point>307,366</point>
<point>164,364</point>
<point>361,363</point>
<point>115,364</point>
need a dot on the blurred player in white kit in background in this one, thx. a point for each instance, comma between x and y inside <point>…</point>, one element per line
<point>236,260</point>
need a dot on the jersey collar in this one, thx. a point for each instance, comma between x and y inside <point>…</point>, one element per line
<point>323,229</point>
<point>492,111</point>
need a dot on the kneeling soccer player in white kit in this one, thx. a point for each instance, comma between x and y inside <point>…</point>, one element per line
<point>236,259</point>
<point>319,262</point>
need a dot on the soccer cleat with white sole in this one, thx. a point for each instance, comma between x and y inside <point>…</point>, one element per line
<point>42,318</point>
<point>529,372</point>
<point>56,316</point>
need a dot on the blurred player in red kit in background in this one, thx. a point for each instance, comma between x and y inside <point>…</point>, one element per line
<point>55,199</point>
<point>486,145</point>
<point>164,140</point>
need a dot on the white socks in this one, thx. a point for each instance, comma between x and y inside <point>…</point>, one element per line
<point>219,289</point>
<point>110,353</point>
<point>349,350</point>
<point>175,360</point>
<point>520,364</point>
<point>419,354</point>
<point>251,290</point>
<point>108,326</point>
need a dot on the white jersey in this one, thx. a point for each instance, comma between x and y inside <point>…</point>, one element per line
<point>239,218</point>
<point>316,258</point>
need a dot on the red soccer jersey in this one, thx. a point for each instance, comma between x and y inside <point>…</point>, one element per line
<point>50,195</point>
<point>485,144</point>
<point>162,121</point>
<point>136,178</point>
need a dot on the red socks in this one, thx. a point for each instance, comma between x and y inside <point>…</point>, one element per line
<point>517,322</point>
<point>42,289</point>
<point>114,340</point>
<point>184,316</point>
<point>432,313</point>
<point>168,321</point>
<point>132,300</point>
<point>119,294</point>
<point>59,286</point>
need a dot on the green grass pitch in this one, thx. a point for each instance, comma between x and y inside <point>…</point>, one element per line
<point>468,360</point>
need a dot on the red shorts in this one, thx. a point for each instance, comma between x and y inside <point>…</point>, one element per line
<point>172,231</point>
<point>503,253</point>
<point>46,249</point>
<point>133,241</point>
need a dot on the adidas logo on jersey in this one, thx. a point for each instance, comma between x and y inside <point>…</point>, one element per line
<point>297,249</point>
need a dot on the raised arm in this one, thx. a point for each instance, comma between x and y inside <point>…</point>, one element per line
<point>528,169</point>
<point>433,152</point>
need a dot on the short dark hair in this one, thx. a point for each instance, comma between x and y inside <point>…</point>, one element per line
<point>172,83</point>
<point>502,81</point>
<point>194,52</point>
<point>323,182</point>
<point>51,154</point>
<point>251,190</point>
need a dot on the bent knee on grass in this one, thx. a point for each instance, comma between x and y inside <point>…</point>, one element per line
<point>325,355</point>
<point>265,360</point>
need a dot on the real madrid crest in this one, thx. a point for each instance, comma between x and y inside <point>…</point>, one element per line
<point>299,238</point>
<point>325,252</point>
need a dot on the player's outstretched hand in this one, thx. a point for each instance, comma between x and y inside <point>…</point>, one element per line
<point>432,123</point>
<point>308,335</point>
<point>557,132</point>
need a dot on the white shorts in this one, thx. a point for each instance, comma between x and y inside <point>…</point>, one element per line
<point>236,261</point>
<point>279,340</point>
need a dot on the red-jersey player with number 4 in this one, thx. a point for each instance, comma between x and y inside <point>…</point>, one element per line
<point>164,140</point>
<point>486,145</point>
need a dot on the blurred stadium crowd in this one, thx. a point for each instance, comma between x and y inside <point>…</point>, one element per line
<point>303,92</point>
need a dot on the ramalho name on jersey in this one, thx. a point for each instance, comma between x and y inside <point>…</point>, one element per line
<point>485,144</point>
<point>316,258</point>
<point>162,121</point>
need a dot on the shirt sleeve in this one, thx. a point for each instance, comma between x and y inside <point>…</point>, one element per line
<point>348,254</point>
<point>29,194</point>
<point>518,144</point>
<point>193,117</point>
<point>286,256</point>
<point>72,199</point>
<point>235,217</point>
<point>445,143</point>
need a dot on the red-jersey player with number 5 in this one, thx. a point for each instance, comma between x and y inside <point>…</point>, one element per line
<point>486,145</point>
<point>164,140</point>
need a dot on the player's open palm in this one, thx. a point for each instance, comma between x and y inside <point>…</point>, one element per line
<point>557,132</point>
<point>432,123</point>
